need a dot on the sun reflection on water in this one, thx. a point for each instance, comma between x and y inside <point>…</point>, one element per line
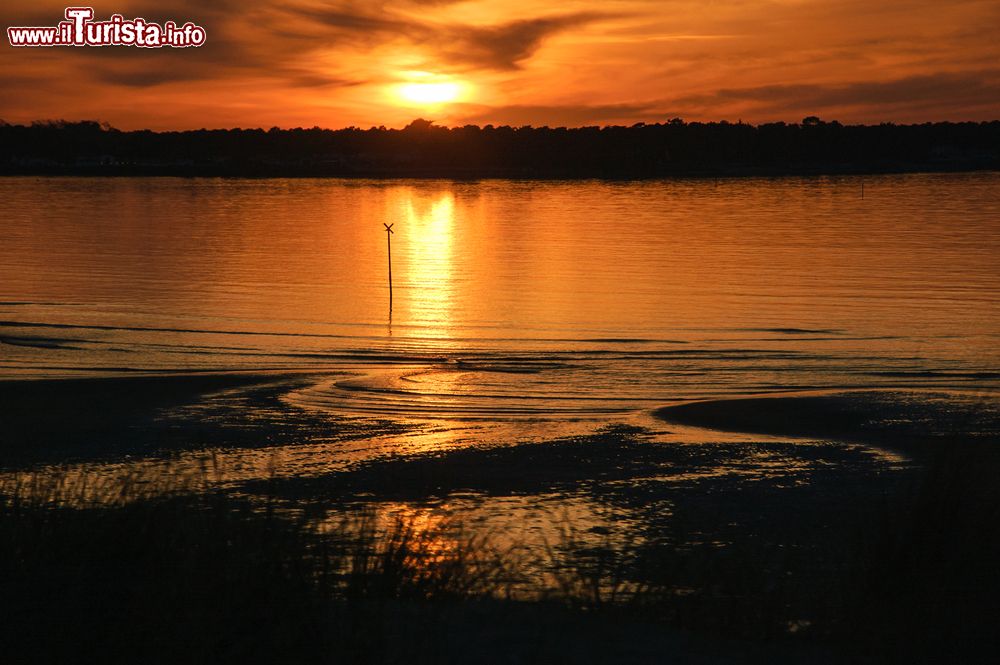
<point>429,226</point>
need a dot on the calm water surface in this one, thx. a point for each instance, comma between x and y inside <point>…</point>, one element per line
<point>519,304</point>
<point>521,311</point>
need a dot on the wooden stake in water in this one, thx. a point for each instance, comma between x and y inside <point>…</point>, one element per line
<point>862,189</point>
<point>388,245</point>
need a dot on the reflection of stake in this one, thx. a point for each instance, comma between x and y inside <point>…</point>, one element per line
<point>388,244</point>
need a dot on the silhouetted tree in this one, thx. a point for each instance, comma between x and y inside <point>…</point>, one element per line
<point>422,148</point>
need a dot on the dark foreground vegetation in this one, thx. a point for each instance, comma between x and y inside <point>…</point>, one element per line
<point>422,149</point>
<point>167,574</point>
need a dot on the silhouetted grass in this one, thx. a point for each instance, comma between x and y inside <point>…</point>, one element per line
<point>166,579</point>
<point>146,574</point>
<point>143,570</point>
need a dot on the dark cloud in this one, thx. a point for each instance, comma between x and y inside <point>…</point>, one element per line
<point>924,91</point>
<point>305,79</point>
<point>361,21</point>
<point>502,46</point>
<point>505,46</point>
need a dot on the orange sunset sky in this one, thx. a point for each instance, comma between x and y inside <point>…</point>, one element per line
<point>576,62</point>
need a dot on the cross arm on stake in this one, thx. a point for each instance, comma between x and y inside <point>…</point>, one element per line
<point>388,227</point>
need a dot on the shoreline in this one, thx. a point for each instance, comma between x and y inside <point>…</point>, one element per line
<point>51,420</point>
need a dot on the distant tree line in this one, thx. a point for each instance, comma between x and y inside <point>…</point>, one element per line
<point>421,149</point>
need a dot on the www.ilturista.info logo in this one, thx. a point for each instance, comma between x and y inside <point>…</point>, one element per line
<point>79,29</point>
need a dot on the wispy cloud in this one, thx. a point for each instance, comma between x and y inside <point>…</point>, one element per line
<point>926,91</point>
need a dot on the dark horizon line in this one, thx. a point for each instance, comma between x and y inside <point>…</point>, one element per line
<point>422,123</point>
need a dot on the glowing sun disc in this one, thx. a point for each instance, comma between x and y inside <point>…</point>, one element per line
<point>429,93</point>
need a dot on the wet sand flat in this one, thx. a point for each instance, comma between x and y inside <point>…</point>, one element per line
<point>909,421</point>
<point>57,420</point>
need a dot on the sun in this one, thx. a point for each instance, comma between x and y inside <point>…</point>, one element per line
<point>429,93</point>
<point>427,89</point>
